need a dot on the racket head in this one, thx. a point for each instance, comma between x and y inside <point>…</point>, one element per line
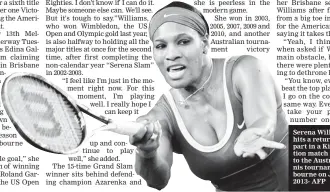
<point>42,113</point>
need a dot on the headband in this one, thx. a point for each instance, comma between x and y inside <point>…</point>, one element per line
<point>177,15</point>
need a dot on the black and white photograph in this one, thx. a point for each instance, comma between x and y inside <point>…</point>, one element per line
<point>146,95</point>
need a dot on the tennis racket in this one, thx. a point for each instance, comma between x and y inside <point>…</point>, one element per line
<point>48,118</point>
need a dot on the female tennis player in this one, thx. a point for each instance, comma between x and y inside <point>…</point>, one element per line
<point>223,115</point>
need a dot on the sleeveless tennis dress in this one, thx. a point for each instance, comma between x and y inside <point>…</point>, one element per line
<point>218,163</point>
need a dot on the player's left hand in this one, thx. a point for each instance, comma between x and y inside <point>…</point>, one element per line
<point>252,141</point>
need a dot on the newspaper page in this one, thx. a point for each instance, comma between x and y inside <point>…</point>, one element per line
<point>99,54</point>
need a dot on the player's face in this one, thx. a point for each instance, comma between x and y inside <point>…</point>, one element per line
<point>178,52</point>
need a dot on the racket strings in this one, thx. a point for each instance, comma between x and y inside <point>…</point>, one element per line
<point>38,105</point>
<point>48,118</point>
<point>71,119</point>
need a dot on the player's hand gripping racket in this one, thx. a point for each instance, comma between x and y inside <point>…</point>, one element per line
<point>48,118</point>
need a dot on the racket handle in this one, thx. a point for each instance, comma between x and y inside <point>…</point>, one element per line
<point>124,127</point>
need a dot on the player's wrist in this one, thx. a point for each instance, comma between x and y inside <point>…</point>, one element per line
<point>146,154</point>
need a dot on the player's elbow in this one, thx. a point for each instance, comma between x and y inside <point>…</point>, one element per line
<point>159,185</point>
<point>156,178</point>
